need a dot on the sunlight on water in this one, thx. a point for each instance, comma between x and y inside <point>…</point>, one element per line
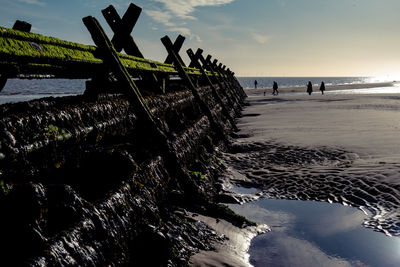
<point>378,90</point>
<point>309,233</point>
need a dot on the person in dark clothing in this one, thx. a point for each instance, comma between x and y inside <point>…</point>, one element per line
<point>255,84</point>
<point>275,88</point>
<point>322,87</point>
<point>309,88</point>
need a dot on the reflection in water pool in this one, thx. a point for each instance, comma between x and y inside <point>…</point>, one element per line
<point>308,233</point>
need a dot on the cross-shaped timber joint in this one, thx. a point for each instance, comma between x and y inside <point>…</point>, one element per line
<point>122,28</point>
<point>176,47</point>
<point>194,58</point>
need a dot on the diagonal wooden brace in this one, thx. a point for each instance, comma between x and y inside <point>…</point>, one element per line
<point>195,60</point>
<point>237,94</point>
<point>122,39</point>
<point>152,125</point>
<point>111,58</point>
<point>122,28</point>
<point>176,47</point>
<point>225,86</point>
<point>185,77</point>
<point>214,63</point>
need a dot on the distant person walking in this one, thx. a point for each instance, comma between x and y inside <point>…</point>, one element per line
<point>309,88</point>
<point>322,87</point>
<point>255,84</point>
<point>275,88</point>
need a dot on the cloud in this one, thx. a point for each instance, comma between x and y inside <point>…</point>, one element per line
<point>338,220</point>
<point>185,31</point>
<point>294,252</point>
<point>32,2</point>
<point>173,14</point>
<point>182,8</point>
<point>262,39</point>
<point>161,17</point>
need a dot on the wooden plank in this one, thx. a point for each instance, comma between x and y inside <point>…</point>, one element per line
<point>37,56</point>
<point>20,26</point>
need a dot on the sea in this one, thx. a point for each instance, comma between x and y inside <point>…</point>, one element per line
<point>17,90</point>
<point>266,82</point>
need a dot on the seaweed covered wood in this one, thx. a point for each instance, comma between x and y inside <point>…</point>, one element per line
<point>107,180</point>
<point>30,55</point>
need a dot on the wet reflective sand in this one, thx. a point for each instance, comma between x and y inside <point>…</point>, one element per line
<point>309,233</point>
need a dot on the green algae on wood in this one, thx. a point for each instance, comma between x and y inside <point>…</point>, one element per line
<point>35,54</point>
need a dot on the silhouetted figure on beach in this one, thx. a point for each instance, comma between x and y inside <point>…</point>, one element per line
<point>264,93</point>
<point>309,88</point>
<point>322,87</point>
<point>275,88</point>
<point>255,84</point>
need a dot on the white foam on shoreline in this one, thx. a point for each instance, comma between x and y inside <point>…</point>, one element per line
<point>234,250</point>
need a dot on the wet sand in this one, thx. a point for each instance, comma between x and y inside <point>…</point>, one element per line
<point>234,250</point>
<point>335,148</point>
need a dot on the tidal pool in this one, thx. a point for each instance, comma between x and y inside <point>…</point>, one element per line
<point>309,233</point>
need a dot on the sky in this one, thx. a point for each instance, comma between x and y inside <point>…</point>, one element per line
<point>277,38</point>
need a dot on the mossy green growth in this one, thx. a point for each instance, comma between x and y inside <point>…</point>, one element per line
<point>199,175</point>
<point>3,186</point>
<point>35,48</point>
<point>55,132</point>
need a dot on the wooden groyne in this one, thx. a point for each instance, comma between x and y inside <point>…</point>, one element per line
<point>104,178</point>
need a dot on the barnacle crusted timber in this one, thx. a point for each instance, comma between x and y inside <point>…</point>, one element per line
<point>106,180</point>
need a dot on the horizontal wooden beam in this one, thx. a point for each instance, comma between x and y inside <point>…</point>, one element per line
<point>30,55</point>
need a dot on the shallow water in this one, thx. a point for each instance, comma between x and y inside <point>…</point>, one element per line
<point>266,82</point>
<point>395,89</point>
<point>377,90</point>
<point>20,98</point>
<point>18,90</point>
<point>309,233</point>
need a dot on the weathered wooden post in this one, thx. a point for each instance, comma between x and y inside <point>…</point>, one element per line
<point>229,79</point>
<point>20,26</point>
<point>220,68</point>
<point>111,58</point>
<point>152,126</point>
<point>122,28</point>
<point>176,47</point>
<point>195,61</point>
<point>185,77</point>
<point>123,39</point>
<point>221,79</point>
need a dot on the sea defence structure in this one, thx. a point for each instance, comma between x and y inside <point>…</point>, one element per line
<point>107,177</point>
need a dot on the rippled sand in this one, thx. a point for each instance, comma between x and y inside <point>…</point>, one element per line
<point>336,148</point>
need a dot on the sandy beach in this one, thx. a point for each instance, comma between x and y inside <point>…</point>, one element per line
<point>341,148</point>
<point>332,147</point>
